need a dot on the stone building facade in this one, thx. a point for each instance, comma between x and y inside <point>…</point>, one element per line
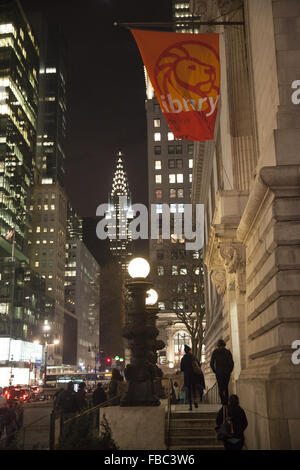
<point>249,180</point>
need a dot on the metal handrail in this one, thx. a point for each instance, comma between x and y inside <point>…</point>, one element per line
<point>212,394</point>
<point>94,408</point>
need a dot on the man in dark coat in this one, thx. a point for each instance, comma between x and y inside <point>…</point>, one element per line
<point>222,365</point>
<point>99,395</point>
<point>190,380</point>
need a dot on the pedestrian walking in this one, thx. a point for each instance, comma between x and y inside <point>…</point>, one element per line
<point>81,396</point>
<point>176,391</point>
<point>200,381</point>
<point>237,421</point>
<point>10,423</point>
<point>116,387</point>
<point>190,380</point>
<point>99,395</point>
<point>222,365</point>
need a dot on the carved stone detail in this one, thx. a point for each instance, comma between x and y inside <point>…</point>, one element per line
<point>218,277</point>
<point>230,256</point>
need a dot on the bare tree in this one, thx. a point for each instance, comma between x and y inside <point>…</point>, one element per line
<point>184,291</point>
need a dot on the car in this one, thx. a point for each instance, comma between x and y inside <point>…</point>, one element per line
<point>17,395</point>
<point>35,393</point>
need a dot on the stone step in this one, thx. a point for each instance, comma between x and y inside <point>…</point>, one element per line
<point>187,422</point>
<point>193,441</point>
<point>197,447</point>
<point>195,431</point>
<point>193,415</point>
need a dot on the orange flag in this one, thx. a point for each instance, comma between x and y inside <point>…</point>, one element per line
<point>184,70</point>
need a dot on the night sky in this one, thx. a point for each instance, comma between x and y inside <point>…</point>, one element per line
<point>105,96</point>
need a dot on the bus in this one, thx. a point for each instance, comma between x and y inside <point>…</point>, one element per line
<point>54,381</point>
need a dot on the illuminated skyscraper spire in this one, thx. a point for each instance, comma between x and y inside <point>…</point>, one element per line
<point>119,214</point>
<point>120,185</point>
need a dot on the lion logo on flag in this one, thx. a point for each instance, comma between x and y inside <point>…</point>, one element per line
<point>187,76</point>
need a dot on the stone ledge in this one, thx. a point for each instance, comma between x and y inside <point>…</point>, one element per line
<point>137,427</point>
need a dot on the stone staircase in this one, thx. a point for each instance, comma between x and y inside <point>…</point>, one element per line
<point>193,430</point>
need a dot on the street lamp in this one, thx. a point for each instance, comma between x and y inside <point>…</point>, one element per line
<point>140,373</point>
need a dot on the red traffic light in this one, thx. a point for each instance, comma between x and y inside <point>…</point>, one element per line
<point>108,360</point>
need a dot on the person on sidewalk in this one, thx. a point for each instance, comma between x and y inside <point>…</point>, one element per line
<point>222,365</point>
<point>99,395</point>
<point>237,416</point>
<point>190,380</point>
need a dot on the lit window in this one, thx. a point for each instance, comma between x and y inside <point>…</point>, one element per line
<point>174,270</point>
<point>38,229</point>
<point>50,70</point>
<point>36,264</point>
<point>157,136</point>
<point>158,194</point>
<point>172,178</point>
<point>179,178</point>
<point>191,163</point>
<point>190,177</point>
<point>180,207</point>
<point>158,208</point>
<point>172,193</point>
<point>183,271</point>
<point>160,270</point>
<point>173,208</point>
<point>158,164</point>
<point>180,193</point>
<point>170,136</point>
<point>156,122</point>
<point>158,179</point>
<point>161,305</point>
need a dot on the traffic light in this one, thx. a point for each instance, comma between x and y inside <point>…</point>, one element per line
<point>108,361</point>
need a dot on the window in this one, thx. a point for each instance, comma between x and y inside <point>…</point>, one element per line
<point>157,136</point>
<point>173,208</point>
<point>170,136</point>
<point>179,193</point>
<point>157,150</point>
<point>171,163</point>
<point>156,122</point>
<point>160,270</point>
<point>178,149</point>
<point>158,179</point>
<point>172,193</point>
<point>161,305</point>
<point>183,271</point>
<point>174,270</point>
<point>179,163</point>
<point>190,149</point>
<point>171,149</point>
<point>158,208</point>
<point>158,194</point>
<point>191,163</point>
<point>157,164</point>
<point>172,178</point>
<point>156,107</point>
<point>190,177</point>
<point>180,208</point>
<point>179,178</point>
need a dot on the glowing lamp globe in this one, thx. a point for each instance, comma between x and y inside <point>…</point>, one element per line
<point>138,268</point>
<point>152,297</point>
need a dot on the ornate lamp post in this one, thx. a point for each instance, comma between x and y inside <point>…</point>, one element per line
<point>155,344</point>
<point>141,371</point>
